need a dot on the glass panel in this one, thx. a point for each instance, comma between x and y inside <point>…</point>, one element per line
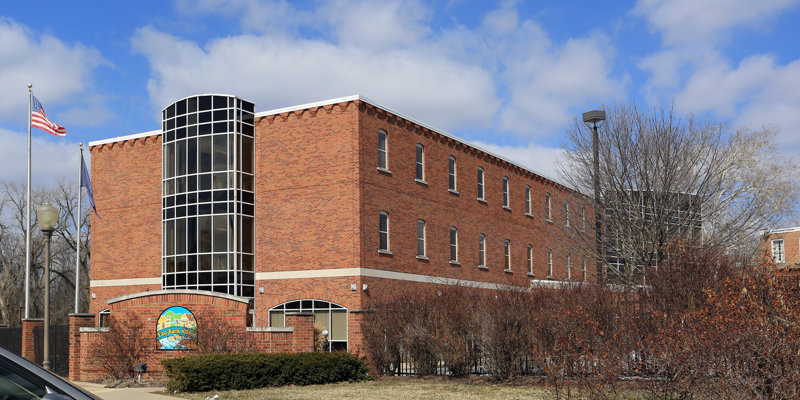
<point>180,236</point>
<point>276,319</point>
<point>220,152</point>
<point>247,155</point>
<point>338,325</point>
<point>191,235</point>
<point>170,163</point>
<point>420,162</point>
<point>204,146</point>
<point>321,319</point>
<point>170,241</point>
<point>191,157</point>
<point>181,157</point>
<point>220,233</point>
<point>246,234</point>
<point>204,233</point>
<point>220,180</point>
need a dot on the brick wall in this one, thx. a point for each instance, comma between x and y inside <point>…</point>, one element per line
<point>126,240</point>
<point>76,322</point>
<point>28,344</point>
<point>208,307</point>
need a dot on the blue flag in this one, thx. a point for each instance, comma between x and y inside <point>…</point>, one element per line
<point>87,183</point>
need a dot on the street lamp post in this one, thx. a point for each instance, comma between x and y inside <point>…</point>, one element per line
<point>594,118</point>
<point>47,215</point>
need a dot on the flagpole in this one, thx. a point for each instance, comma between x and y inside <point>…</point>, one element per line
<point>78,223</point>
<point>28,214</point>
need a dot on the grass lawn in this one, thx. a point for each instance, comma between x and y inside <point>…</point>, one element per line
<point>387,389</point>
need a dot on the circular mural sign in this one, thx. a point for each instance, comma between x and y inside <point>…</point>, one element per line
<point>175,325</point>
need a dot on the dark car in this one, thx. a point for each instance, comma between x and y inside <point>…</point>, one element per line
<point>21,379</point>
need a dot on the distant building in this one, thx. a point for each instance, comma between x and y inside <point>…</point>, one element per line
<point>783,246</point>
<point>639,225</point>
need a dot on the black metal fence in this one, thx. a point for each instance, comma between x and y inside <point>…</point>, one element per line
<point>59,348</point>
<point>406,367</point>
<point>11,339</point>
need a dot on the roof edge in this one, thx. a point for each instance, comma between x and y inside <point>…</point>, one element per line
<point>124,138</point>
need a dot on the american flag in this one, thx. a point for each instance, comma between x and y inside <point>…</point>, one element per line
<point>39,120</point>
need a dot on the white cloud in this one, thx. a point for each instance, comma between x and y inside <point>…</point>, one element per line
<point>56,70</point>
<point>51,158</point>
<point>692,21</point>
<point>453,78</point>
<point>537,158</point>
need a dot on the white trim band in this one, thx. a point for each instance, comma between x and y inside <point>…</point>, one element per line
<point>124,282</point>
<point>376,273</point>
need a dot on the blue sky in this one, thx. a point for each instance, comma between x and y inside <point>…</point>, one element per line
<point>507,75</point>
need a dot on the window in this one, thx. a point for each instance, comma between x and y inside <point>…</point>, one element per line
<point>329,316</point>
<point>480,183</point>
<point>583,218</point>
<point>527,199</point>
<point>383,231</point>
<point>505,191</point>
<point>421,238</point>
<point>549,263</point>
<point>547,206</point>
<point>481,250</point>
<point>530,259</point>
<point>420,163</point>
<point>451,170</point>
<point>569,273</point>
<point>507,254</point>
<point>583,267</point>
<point>778,254</point>
<point>566,213</point>
<point>383,152</point>
<point>453,244</point>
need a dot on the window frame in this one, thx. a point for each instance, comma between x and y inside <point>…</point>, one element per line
<point>452,182</point>
<point>550,263</point>
<point>482,250</point>
<point>419,163</point>
<point>481,184</point>
<point>383,234</point>
<point>529,250</point>
<point>453,245</point>
<point>506,190</point>
<point>547,210</point>
<point>383,150</point>
<point>566,213</point>
<point>528,199</point>
<point>568,267</point>
<point>422,239</point>
<point>507,254</point>
<point>782,249</point>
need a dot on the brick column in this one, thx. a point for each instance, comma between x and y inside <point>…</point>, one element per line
<point>76,322</point>
<point>355,335</point>
<point>28,345</point>
<point>303,335</point>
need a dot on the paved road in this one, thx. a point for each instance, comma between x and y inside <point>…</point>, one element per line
<point>135,393</point>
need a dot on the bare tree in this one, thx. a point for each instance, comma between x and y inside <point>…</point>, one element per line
<point>665,177</point>
<point>12,252</point>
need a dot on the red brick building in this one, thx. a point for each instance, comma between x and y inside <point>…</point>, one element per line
<point>783,246</point>
<point>321,208</point>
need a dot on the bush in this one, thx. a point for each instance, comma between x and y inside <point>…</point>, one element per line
<point>256,370</point>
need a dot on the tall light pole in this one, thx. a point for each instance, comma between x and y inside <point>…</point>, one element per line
<point>47,216</point>
<point>593,119</point>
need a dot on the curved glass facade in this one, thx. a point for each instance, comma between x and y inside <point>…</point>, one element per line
<point>207,194</point>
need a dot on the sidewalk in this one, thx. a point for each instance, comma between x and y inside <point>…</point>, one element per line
<point>132,393</point>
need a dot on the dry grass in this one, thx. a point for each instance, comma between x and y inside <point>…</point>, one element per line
<point>387,389</point>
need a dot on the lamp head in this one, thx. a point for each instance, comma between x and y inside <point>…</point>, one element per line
<point>47,216</point>
<point>594,116</point>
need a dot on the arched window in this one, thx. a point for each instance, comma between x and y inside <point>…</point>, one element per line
<point>507,245</point>
<point>383,231</point>
<point>480,184</point>
<point>451,172</point>
<point>420,163</point>
<point>421,238</point>
<point>383,150</point>
<point>481,250</point>
<point>505,191</point>
<point>329,316</point>
<point>453,244</point>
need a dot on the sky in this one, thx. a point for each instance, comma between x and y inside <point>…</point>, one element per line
<point>508,76</point>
